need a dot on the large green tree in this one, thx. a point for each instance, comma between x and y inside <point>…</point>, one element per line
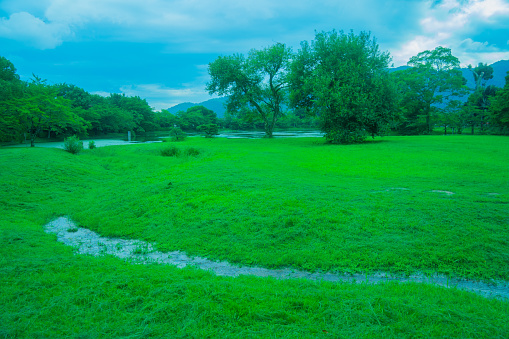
<point>344,79</point>
<point>431,81</point>
<point>257,83</point>
<point>194,117</point>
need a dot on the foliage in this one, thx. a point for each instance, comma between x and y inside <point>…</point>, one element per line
<point>142,113</point>
<point>194,117</point>
<point>344,79</point>
<point>11,90</point>
<point>210,130</point>
<point>91,144</point>
<point>73,144</point>
<point>42,109</point>
<point>177,134</point>
<point>36,108</point>
<point>432,80</point>
<point>479,99</point>
<point>499,108</point>
<point>165,119</point>
<point>478,103</point>
<point>255,85</point>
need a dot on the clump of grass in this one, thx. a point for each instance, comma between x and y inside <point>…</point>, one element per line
<point>91,144</point>
<point>73,144</point>
<point>171,151</point>
<point>192,152</point>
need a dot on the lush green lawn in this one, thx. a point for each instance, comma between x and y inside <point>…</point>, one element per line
<point>273,203</point>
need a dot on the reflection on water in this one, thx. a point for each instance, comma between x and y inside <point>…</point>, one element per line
<point>157,136</point>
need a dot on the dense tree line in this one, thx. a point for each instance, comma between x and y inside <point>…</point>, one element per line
<point>338,82</point>
<point>343,82</point>
<point>35,108</point>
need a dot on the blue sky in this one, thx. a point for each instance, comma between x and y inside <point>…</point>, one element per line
<point>160,49</point>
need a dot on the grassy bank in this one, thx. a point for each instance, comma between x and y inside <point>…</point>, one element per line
<point>403,204</point>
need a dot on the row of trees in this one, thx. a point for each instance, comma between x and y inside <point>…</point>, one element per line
<point>345,82</point>
<point>340,82</point>
<point>35,108</point>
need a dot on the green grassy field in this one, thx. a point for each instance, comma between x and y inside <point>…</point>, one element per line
<point>385,205</point>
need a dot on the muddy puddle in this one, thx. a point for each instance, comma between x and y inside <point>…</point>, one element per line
<point>137,251</point>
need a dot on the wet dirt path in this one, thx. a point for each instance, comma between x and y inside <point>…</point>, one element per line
<point>91,243</point>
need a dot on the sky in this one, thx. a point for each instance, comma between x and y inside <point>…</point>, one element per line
<point>160,49</point>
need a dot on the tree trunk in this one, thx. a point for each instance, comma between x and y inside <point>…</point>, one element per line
<point>268,130</point>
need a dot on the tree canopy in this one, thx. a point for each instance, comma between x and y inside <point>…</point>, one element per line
<point>256,84</point>
<point>432,79</point>
<point>344,79</point>
<point>499,107</point>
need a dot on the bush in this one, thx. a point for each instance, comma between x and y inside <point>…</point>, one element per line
<point>170,152</point>
<point>193,152</point>
<point>73,144</point>
<point>177,134</point>
<point>91,144</point>
<point>209,130</point>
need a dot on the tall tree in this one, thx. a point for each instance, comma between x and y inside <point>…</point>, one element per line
<point>432,79</point>
<point>257,83</point>
<point>480,97</point>
<point>11,89</point>
<point>344,79</point>
<point>499,108</point>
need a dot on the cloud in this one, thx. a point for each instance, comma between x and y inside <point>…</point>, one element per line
<point>469,45</point>
<point>222,25</point>
<point>451,23</point>
<point>25,27</point>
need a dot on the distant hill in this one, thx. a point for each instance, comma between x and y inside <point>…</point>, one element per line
<point>500,69</point>
<point>216,105</point>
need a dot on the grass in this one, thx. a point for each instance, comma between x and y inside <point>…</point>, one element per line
<point>274,203</point>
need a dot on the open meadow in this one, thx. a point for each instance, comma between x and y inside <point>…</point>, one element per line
<point>401,205</point>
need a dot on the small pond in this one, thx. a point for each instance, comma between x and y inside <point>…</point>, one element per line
<point>157,136</point>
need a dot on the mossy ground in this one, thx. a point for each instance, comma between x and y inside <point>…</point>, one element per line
<point>274,203</point>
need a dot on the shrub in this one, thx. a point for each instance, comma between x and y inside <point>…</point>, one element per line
<point>177,134</point>
<point>170,152</point>
<point>91,144</point>
<point>73,144</point>
<point>209,130</point>
<point>191,151</point>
